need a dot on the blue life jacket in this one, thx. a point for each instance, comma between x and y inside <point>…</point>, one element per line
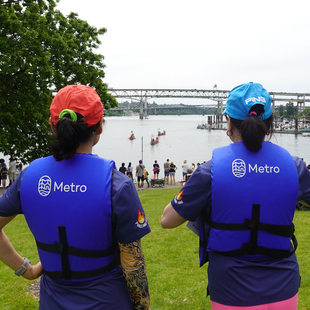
<point>253,203</point>
<point>67,205</point>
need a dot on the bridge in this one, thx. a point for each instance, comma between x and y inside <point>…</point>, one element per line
<point>213,95</point>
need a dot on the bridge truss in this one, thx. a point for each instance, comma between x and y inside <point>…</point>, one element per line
<point>219,96</point>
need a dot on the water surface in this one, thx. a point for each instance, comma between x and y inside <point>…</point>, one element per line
<point>182,141</point>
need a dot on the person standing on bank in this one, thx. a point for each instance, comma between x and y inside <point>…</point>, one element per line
<point>3,172</point>
<point>12,169</point>
<point>243,203</point>
<point>139,174</point>
<point>172,170</point>
<point>122,169</point>
<point>156,169</point>
<point>166,171</point>
<point>129,171</point>
<point>184,169</point>
<point>85,216</point>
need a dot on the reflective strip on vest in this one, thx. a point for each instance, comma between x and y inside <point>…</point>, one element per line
<point>67,205</point>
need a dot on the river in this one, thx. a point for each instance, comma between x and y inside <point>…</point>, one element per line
<point>182,141</point>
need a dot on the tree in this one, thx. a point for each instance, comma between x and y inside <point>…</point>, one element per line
<point>281,111</point>
<point>307,113</point>
<point>290,110</point>
<point>41,50</point>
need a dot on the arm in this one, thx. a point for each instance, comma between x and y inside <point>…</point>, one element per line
<point>133,265</point>
<point>11,258</point>
<point>191,200</point>
<point>304,181</point>
<point>171,218</point>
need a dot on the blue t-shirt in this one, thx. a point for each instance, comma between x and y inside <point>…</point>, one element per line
<point>110,290</point>
<point>232,280</point>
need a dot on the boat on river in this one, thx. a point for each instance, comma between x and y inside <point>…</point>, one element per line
<point>154,140</point>
<point>132,136</point>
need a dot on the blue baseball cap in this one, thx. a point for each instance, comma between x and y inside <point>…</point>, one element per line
<point>243,97</point>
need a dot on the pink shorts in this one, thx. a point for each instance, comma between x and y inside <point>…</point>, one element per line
<point>288,304</point>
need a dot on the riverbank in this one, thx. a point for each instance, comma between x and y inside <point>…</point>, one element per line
<point>145,187</point>
<point>298,132</point>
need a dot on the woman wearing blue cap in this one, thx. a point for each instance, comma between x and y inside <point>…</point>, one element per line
<point>85,216</point>
<point>243,203</point>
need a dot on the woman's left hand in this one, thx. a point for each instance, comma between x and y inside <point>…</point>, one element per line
<point>33,271</point>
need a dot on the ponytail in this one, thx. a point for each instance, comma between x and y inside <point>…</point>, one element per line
<point>69,135</point>
<point>253,129</point>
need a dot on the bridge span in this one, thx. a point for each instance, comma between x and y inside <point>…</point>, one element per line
<point>215,95</point>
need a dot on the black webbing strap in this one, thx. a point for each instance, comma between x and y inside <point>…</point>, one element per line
<point>65,250</point>
<point>247,249</point>
<point>56,247</point>
<point>203,244</point>
<point>64,253</point>
<point>279,230</point>
<point>295,244</point>
<point>254,225</point>
<point>56,275</point>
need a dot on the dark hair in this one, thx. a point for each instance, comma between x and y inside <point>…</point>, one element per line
<point>253,130</point>
<point>69,135</point>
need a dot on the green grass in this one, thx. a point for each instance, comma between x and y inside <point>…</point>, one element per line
<point>175,279</point>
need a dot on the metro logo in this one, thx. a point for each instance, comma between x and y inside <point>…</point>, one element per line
<point>240,168</point>
<point>263,169</point>
<point>46,186</point>
<point>69,188</point>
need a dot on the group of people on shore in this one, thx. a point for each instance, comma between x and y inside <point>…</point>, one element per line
<point>234,202</point>
<point>141,173</point>
<point>169,169</point>
<point>6,172</point>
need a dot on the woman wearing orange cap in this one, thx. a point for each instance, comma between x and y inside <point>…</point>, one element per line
<point>243,203</point>
<point>86,216</point>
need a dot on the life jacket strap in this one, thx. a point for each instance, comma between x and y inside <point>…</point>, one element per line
<point>249,224</point>
<point>65,250</point>
<point>248,248</point>
<point>64,253</point>
<point>57,275</point>
<point>57,247</point>
<point>254,225</point>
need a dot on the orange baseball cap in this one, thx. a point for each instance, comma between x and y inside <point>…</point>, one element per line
<point>80,99</point>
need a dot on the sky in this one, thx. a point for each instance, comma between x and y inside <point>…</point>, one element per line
<point>199,43</point>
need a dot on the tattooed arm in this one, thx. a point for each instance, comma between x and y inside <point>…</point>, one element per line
<point>132,260</point>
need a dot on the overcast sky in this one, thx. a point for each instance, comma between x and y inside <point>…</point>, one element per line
<point>196,44</point>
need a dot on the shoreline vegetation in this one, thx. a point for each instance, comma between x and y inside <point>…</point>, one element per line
<point>172,269</point>
<point>305,133</point>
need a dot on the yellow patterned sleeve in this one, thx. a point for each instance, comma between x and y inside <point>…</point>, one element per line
<point>133,265</point>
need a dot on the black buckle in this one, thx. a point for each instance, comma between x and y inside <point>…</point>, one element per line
<point>250,223</point>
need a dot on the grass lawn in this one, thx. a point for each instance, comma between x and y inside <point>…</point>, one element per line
<point>175,279</point>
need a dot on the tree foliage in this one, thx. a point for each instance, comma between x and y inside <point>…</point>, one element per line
<point>41,51</point>
<point>290,110</point>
